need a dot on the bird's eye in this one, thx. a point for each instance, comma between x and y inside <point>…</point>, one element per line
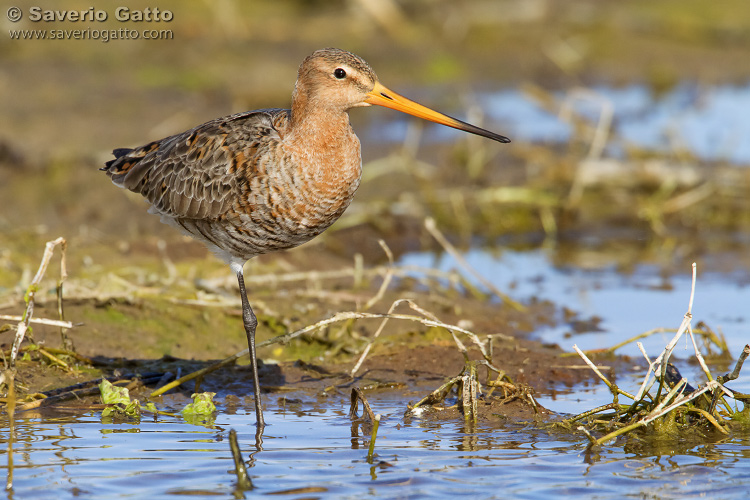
<point>339,73</point>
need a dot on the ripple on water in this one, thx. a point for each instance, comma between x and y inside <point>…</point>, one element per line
<point>318,454</point>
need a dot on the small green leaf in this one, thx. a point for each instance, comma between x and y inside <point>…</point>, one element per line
<point>133,409</point>
<point>202,404</point>
<point>112,394</point>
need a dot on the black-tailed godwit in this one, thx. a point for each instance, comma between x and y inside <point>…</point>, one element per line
<point>271,179</point>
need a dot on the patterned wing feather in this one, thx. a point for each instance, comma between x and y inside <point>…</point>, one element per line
<point>193,175</point>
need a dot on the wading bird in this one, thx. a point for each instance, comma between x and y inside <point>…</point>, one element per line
<point>260,181</point>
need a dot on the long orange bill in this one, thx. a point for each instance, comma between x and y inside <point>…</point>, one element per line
<point>381,96</point>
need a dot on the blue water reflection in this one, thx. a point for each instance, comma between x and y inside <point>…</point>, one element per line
<point>626,305</point>
<point>317,455</point>
<point>711,123</point>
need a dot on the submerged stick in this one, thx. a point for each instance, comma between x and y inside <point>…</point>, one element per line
<point>243,480</point>
<point>469,394</point>
<point>373,437</point>
<point>592,439</point>
<point>593,411</point>
<point>10,408</point>
<point>358,395</point>
<point>438,394</point>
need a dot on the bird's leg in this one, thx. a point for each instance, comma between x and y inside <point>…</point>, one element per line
<point>251,322</point>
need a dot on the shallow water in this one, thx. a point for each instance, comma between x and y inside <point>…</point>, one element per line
<point>711,123</point>
<point>319,454</point>
<point>314,450</point>
<point>627,305</point>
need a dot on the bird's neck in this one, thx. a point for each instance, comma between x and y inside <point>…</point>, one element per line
<point>324,148</point>
<point>320,129</point>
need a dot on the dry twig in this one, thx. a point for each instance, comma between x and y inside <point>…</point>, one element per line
<point>23,325</point>
<point>631,418</point>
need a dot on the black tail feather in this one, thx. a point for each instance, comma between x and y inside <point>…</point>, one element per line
<point>119,152</point>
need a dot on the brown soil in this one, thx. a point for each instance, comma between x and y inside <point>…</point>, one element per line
<point>408,362</point>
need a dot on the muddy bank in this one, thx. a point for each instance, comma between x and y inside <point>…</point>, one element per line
<point>160,331</point>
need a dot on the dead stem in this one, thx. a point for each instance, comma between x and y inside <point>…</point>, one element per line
<point>469,391</point>
<point>10,408</point>
<point>591,365</point>
<point>39,321</point>
<point>386,280</point>
<point>356,396</point>
<point>711,419</point>
<point>737,367</point>
<point>199,373</point>
<point>374,299</point>
<point>674,399</point>
<point>53,350</point>
<point>377,333</point>
<point>429,317</point>
<point>67,343</point>
<point>373,437</point>
<point>243,479</point>
<point>437,395</point>
<point>23,325</point>
<point>593,411</point>
<point>598,140</point>
<point>54,358</point>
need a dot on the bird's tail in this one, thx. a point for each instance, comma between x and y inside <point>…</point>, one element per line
<point>125,159</point>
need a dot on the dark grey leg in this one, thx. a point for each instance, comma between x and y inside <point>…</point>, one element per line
<point>251,322</point>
